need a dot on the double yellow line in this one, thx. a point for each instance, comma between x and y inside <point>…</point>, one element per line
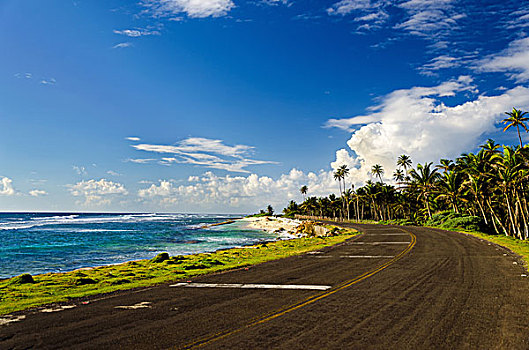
<point>305,302</point>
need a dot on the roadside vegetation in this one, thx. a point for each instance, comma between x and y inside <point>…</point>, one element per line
<point>26,291</point>
<point>487,191</point>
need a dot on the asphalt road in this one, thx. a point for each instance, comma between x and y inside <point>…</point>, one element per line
<point>387,289</point>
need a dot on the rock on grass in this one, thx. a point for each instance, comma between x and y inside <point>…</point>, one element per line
<point>84,280</point>
<point>23,279</point>
<point>160,258</point>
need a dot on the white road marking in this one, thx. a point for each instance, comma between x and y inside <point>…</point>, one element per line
<point>58,308</point>
<point>315,253</point>
<point>389,234</point>
<point>142,305</point>
<point>250,286</point>
<point>377,243</point>
<point>367,256</point>
<point>9,319</point>
<point>353,256</point>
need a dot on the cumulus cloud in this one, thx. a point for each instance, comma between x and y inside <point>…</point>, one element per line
<point>97,192</point>
<point>416,122</point>
<point>6,187</point>
<point>37,193</point>
<point>205,152</point>
<point>213,191</point>
<point>192,8</point>
<point>132,138</point>
<point>135,33</point>
<point>514,61</point>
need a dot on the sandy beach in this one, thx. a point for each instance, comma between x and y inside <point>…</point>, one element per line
<point>287,228</point>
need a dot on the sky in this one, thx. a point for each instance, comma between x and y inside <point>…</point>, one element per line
<point>226,106</point>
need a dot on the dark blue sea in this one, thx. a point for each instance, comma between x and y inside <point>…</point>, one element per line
<point>38,243</point>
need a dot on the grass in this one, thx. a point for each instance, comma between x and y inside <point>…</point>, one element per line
<point>518,246</point>
<point>26,291</point>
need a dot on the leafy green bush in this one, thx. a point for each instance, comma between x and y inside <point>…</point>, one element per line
<point>450,220</point>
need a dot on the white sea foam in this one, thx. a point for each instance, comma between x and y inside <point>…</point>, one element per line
<point>78,220</point>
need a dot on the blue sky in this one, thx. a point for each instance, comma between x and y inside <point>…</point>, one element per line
<point>226,105</point>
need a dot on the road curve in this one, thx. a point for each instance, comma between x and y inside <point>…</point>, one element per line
<point>392,287</point>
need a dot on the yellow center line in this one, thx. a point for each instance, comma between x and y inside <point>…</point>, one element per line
<point>305,302</point>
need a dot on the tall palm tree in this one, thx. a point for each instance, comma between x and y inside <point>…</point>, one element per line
<point>344,172</point>
<point>517,119</point>
<point>338,176</point>
<point>303,190</point>
<point>404,161</point>
<point>450,187</point>
<point>398,175</point>
<point>491,147</point>
<point>445,165</point>
<point>348,197</point>
<point>424,178</point>
<point>377,171</point>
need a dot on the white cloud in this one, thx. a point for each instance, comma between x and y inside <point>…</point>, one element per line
<point>37,193</point>
<point>50,81</point>
<point>440,62</point>
<point>346,7</point>
<point>113,173</point>
<point>205,152</point>
<point>210,191</point>
<point>430,18</point>
<point>132,138</point>
<point>80,170</point>
<point>140,160</point>
<point>97,192</point>
<point>371,12</point>
<point>416,122</point>
<point>514,60</point>
<point>24,75</point>
<point>122,45</point>
<point>135,33</point>
<point>192,8</point>
<point>6,187</point>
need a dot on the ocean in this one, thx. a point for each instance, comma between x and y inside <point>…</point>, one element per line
<point>57,242</point>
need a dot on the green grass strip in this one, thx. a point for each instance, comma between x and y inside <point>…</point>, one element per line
<point>25,291</point>
<point>517,246</point>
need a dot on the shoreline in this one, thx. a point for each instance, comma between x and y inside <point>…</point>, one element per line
<point>21,293</point>
<point>282,228</point>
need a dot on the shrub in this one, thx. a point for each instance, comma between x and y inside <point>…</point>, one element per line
<point>469,223</point>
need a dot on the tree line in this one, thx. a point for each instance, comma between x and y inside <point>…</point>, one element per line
<point>491,184</point>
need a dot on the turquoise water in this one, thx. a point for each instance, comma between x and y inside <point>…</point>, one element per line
<point>39,243</point>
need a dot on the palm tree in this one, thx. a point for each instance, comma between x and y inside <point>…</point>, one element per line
<point>398,175</point>
<point>347,197</point>
<point>491,147</point>
<point>517,119</point>
<point>404,161</point>
<point>377,171</point>
<point>338,176</point>
<point>303,190</point>
<point>344,172</point>
<point>424,178</point>
<point>450,187</point>
<point>445,165</point>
